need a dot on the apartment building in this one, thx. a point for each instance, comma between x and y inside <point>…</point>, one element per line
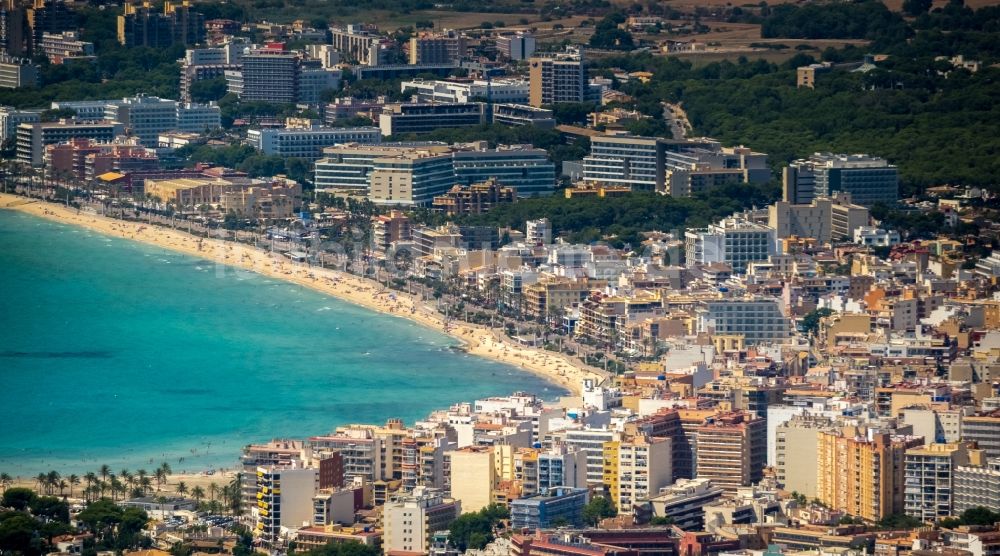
<point>983,429</point>
<point>562,506</point>
<point>527,169</point>
<point>473,477</point>
<point>731,450</point>
<point>929,482</point>
<point>59,47</point>
<point>187,192</point>
<point>558,78</point>
<point>861,473</point>
<point>693,166</point>
<point>824,219</point>
<point>636,468</point>
<point>141,25</point>
<point>869,180</point>
<point>560,466</point>
<point>48,16</point>
<point>591,442</point>
<point>410,520</point>
<point>551,296</point>
<point>267,75</point>
<point>11,118</point>
<point>209,63</point>
<point>514,91</point>
<point>17,72</point>
<point>145,117</point>
<point>410,179</point>
<point>362,452</point>
<point>625,161</point>
<point>437,48</point>
<point>309,142</point>
<point>284,499</point>
<point>519,46</point>
<point>403,119</point>
<point>275,454</point>
<point>735,241</point>
<point>523,114</point>
<point>796,447</point>
<point>360,43</point>
<point>976,486</point>
<point>474,199</point>
<point>86,159</point>
<point>683,502</point>
<point>32,137</point>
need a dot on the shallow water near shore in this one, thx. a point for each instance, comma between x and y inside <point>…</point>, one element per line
<point>118,352</point>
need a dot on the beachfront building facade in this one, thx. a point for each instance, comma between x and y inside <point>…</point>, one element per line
<point>410,179</point>
<point>32,137</point>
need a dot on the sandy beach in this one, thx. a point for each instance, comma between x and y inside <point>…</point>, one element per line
<point>190,480</point>
<point>478,340</point>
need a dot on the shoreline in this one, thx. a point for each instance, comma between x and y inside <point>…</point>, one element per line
<point>475,339</point>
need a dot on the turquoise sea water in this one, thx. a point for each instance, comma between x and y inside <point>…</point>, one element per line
<point>117,352</point>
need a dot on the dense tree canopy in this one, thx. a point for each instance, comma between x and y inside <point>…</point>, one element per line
<point>597,509</point>
<point>866,19</point>
<point>939,124</point>
<point>475,530</point>
<point>620,220</point>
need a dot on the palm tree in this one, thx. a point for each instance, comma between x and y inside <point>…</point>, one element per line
<point>182,488</point>
<point>104,472</point>
<point>235,492</point>
<point>91,478</point>
<point>5,481</point>
<point>63,484</point>
<point>213,490</point>
<point>197,493</point>
<point>165,468</point>
<point>145,485</point>
<point>74,480</point>
<point>117,487</point>
<point>160,477</point>
<point>52,478</point>
<point>126,478</point>
<point>42,480</point>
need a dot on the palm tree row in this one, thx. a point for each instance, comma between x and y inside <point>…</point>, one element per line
<point>99,484</point>
<point>104,483</point>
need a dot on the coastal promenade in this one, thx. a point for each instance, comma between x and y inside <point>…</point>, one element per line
<point>478,340</point>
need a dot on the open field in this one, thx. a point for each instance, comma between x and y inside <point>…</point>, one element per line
<point>390,21</point>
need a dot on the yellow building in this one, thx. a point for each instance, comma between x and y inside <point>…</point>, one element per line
<point>473,477</point>
<point>861,477</point>
<point>546,297</point>
<point>187,192</point>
